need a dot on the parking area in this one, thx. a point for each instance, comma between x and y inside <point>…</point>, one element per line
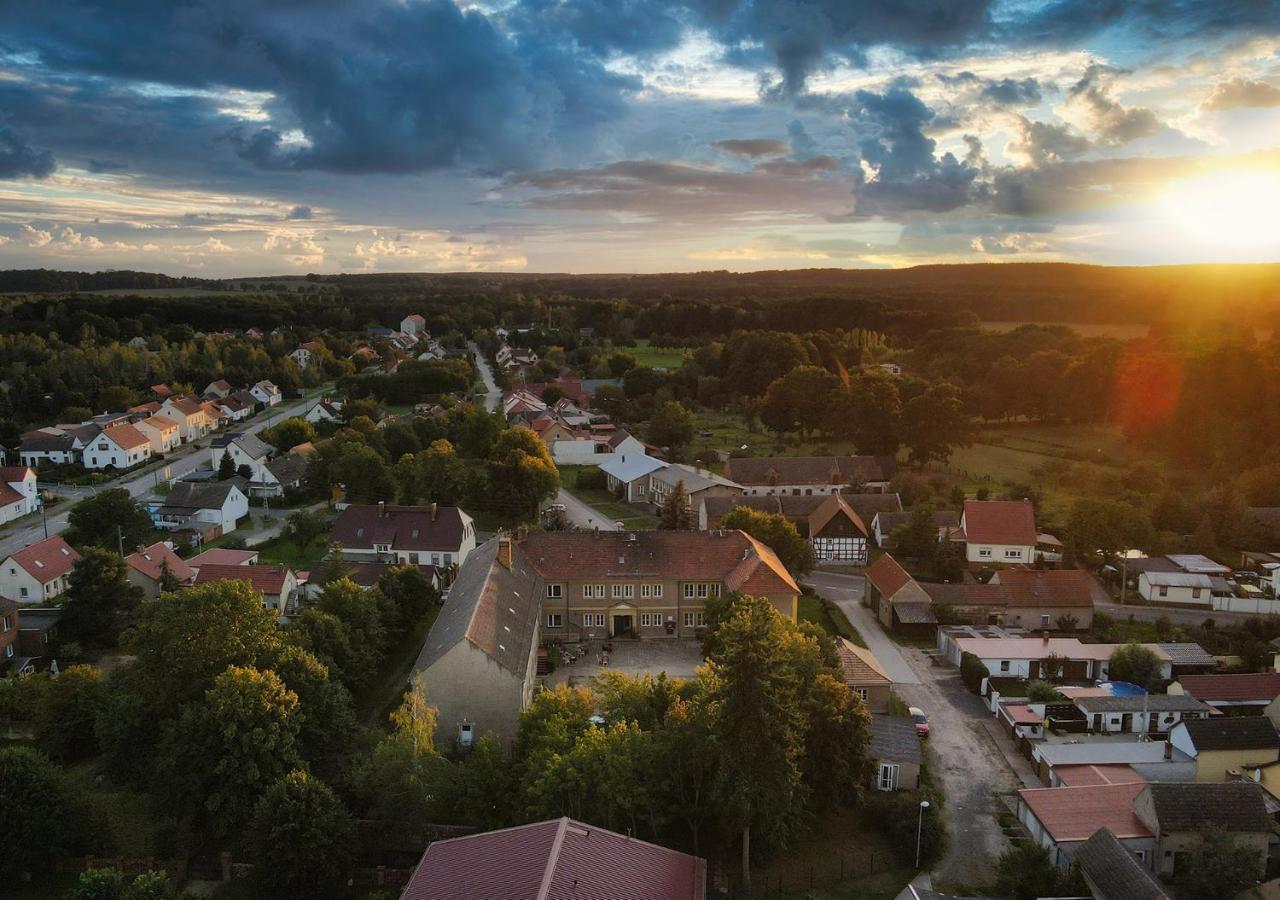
<point>678,657</point>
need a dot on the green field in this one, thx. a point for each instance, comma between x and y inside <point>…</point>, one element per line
<point>729,432</point>
<point>657,357</point>
<point>828,617</point>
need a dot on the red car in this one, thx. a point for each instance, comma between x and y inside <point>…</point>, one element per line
<point>921,720</point>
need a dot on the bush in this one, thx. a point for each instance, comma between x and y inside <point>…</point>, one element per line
<point>591,478</point>
<point>1042,692</point>
<point>897,816</point>
<point>972,671</point>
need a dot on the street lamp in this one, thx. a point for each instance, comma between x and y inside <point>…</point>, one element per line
<point>924,804</point>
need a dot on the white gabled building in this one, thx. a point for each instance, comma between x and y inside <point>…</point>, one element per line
<point>190,415</point>
<point>324,411</point>
<point>39,572</point>
<point>266,393</point>
<point>120,446</point>
<point>18,494</point>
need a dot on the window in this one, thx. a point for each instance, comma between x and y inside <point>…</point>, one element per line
<point>644,619</point>
<point>985,552</point>
<point>657,592</point>
<point>646,591</point>
<point>1004,665</point>
<point>586,592</point>
<point>628,591</point>
<point>702,591</point>
<point>8,652</point>
<point>701,619</point>
<point>465,733</point>
<point>862,693</point>
<point>23,592</point>
<point>413,559</point>
<point>6,623</point>
<point>1010,553</point>
<point>555,591</point>
<point>617,592</point>
<point>887,778</point>
<point>553,620</point>
<point>688,590</point>
<point>1044,619</point>
<point>599,620</point>
<point>1195,593</point>
<point>1164,590</point>
<point>688,620</point>
<point>715,590</point>
<point>600,594</point>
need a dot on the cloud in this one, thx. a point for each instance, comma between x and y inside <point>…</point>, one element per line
<point>36,237</point>
<point>300,248</point>
<point>1008,244</point>
<point>435,251</point>
<point>1112,122</point>
<point>68,240</point>
<point>997,92</point>
<point>299,212</point>
<point>20,160</point>
<point>1042,142</point>
<point>754,147</point>
<point>1239,92</point>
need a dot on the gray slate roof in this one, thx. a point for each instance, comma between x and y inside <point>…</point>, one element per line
<point>288,469</point>
<point>1188,655</point>
<point>1148,702</point>
<point>867,505</point>
<point>1233,733</point>
<point>894,739</point>
<point>185,496</point>
<point>1231,805</point>
<point>1112,871</point>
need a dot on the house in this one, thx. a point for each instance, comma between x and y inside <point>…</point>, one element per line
<point>266,393</point>
<point>832,526</point>
<point>38,630</point>
<point>142,410</point>
<point>117,447</point>
<point>39,572</point>
<point>1056,599</point>
<point>324,410</point>
<point>1144,714</point>
<point>622,441</point>
<point>1062,819</point>
<point>1189,658</point>
<point>223,556</point>
<point>287,472</point>
<point>803,475</point>
<point>867,505</point>
<point>557,859</point>
<point>305,353</point>
<point>1181,588</point>
<point>1058,760</point>
<point>238,407</point>
<point>8,632</point>
<point>416,535</point>
<point>191,417</point>
<point>150,568</point>
<point>998,532</point>
<point>650,584</point>
<point>894,751</point>
<point>413,324</point>
<point>1113,872</point>
<point>479,661</point>
<point>216,390</point>
<point>217,418</point>
<point>864,675</point>
<point>19,495</point>
<point>1178,815</point>
<point>1224,745</point>
<point>211,508</point>
<point>1236,695</point>
<point>277,583</point>
<point>629,473</point>
<point>248,451</point>
<point>1051,658</point>
<point>884,524</point>
<point>897,599</point>
<point>161,391</point>
<point>59,445</point>
<point>699,484</point>
<point>163,433</point>
<point>1049,549</point>
<point>367,575</point>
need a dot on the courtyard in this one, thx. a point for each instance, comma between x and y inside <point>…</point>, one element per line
<point>678,657</point>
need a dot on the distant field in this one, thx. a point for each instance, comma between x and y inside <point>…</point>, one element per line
<point>162,292</point>
<point>657,357</point>
<point>1088,329</point>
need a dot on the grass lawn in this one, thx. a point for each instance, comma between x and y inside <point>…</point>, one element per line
<point>828,617</point>
<point>280,550</point>
<point>656,357</point>
<point>728,432</point>
<point>377,701</point>
<point>604,501</point>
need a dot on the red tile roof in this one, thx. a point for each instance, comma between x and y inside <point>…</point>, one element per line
<point>126,437</point>
<point>10,474</point>
<point>1000,522</point>
<point>47,559</point>
<point>9,495</point>
<point>1084,776</point>
<point>268,579</point>
<point>860,667</point>
<point>408,528</point>
<point>222,556</point>
<point>887,576</point>
<point>1075,813</point>
<point>1056,587</point>
<point>1227,688</point>
<point>149,561</point>
<point>161,390</point>
<point>556,860</point>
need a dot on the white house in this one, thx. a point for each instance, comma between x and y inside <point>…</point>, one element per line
<point>238,406</point>
<point>324,411</point>
<point>202,506</point>
<point>413,324</point>
<point>1185,588</point>
<point>802,476</point>
<point>163,433</point>
<point>59,445</point>
<point>305,353</point>
<point>190,415</point>
<point>18,494</point>
<point>998,532</point>
<point>39,572</point>
<point>1029,657</point>
<point>120,446</point>
<point>216,390</point>
<point>266,393</point>
<point>417,535</point>
<point>244,450</point>
<point>1144,714</point>
<point>630,472</point>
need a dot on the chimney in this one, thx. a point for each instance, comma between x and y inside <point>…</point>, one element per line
<point>382,509</point>
<point>1045,637</point>
<point>504,550</point>
<point>435,507</point>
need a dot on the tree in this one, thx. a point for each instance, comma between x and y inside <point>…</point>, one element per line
<point>676,514</point>
<point>1042,692</point>
<point>758,729</point>
<point>521,475</point>
<point>800,400</point>
<point>871,414</point>
<point>290,433</point>
<point>552,394</point>
<point>439,473</point>
<point>98,599</point>
<point>224,751</point>
<point>109,519</point>
<point>934,423</point>
<point>402,778</point>
<point>226,467</point>
<point>1136,664</point>
<point>620,364</point>
<point>775,531</point>
<point>37,825</point>
<point>408,592</point>
<point>672,427</point>
<point>1099,529</point>
<point>110,884</point>
<point>972,671</point>
<point>69,708</point>
<point>919,536</point>
<point>363,472</point>
<point>357,610</point>
<point>1224,868</point>
<point>302,838</point>
<point>305,526</point>
<point>1026,873</point>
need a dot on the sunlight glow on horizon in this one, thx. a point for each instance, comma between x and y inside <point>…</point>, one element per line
<point>1233,208</point>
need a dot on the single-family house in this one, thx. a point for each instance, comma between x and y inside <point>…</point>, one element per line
<point>39,572</point>
<point>623,441</point>
<point>9,630</point>
<point>1050,658</point>
<point>266,393</point>
<point>629,473</point>
<point>1181,588</point>
<point>217,418</point>
<point>832,526</point>
<point>1246,694</point>
<point>998,532</point>
<point>432,535</point>
<point>1062,819</point>
<point>18,492</point>
<point>286,472</point>
<point>216,390</point>
<point>161,391</point>
<point>1144,714</point>
<point>1189,658</point>
<point>190,415</point>
<point>803,475</point>
<point>1223,746</point>
<point>238,406</point>
<point>864,675</point>
<point>249,451</point>
<point>324,410</point>
<point>59,445</point>
<point>305,353</point>
<point>699,484</point>
<point>211,508</point>
<point>894,750</point>
<point>117,447</point>
<point>479,662</point>
<point>1055,599</point>
<point>897,599</point>
<point>1113,872</point>
<point>223,556</point>
<point>161,432</point>
<point>1059,760</point>
<point>156,569</point>
<point>884,524</point>
<point>868,505</point>
<point>560,858</point>
<point>413,324</point>
<point>277,583</point>
<point>1179,815</point>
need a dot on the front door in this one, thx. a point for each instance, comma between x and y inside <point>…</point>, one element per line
<point>621,625</point>
<point>888,778</point>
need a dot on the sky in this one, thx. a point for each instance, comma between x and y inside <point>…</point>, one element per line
<point>221,138</point>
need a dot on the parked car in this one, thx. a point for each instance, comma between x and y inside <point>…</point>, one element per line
<point>921,720</point>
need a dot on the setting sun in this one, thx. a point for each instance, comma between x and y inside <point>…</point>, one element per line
<point>1233,207</point>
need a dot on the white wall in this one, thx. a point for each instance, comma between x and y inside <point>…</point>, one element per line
<point>579,453</point>
<point>999,553</point>
<point>18,584</point>
<point>1175,594</point>
<point>95,456</point>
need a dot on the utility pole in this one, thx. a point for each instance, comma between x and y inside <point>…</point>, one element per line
<point>120,540</point>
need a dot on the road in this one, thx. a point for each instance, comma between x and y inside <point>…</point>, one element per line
<point>583,516</point>
<point>181,462</point>
<point>846,592</point>
<point>492,393</point>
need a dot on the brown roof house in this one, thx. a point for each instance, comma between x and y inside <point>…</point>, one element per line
<point>898,600</point>
<point>1247,694</point>
<point>277,583</point>
<point>560,859</point>
<point>415,535</point>
<point>151,567</point>
<point>1113,872</point>
<point>479,662</point>
<point>1223,746</point>
<point>864,675</point>
<point>833,527</point>
<point>895,750</point>
<point>1179,814</point>
<point>805,475</point>
<point>39,572</point>
<point>998,532</point>
<point>1056,599</point>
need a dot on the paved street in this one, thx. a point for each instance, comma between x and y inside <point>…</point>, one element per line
<point>582,515</point>
<point>493,395</point>
<point>846,592</point>
<point>181,462</point>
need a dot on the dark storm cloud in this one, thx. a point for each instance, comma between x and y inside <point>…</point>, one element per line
<point>1043,142</point>
<point>1067,21</point>
<point>18,159</point>
<point>1014,92</point>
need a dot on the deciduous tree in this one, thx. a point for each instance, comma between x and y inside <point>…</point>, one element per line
<point>302,838</point>
<point>109,519</point>
<point>99,598</point>
<point>775,531</point>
